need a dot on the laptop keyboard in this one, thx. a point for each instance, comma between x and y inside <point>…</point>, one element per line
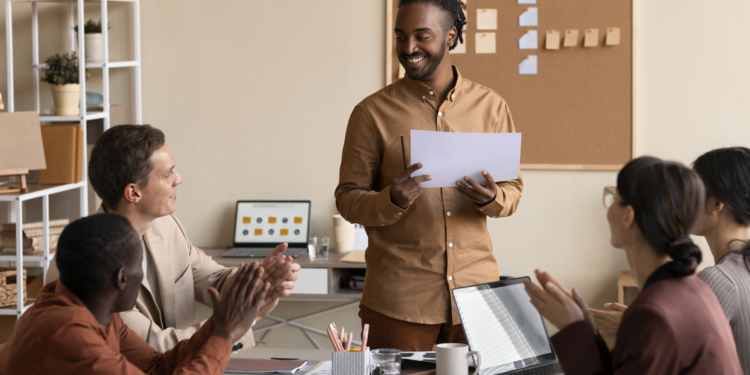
<point>262,253</point>
<point>548,369</point>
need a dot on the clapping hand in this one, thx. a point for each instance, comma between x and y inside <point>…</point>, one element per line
<point>558,306</point>
<point>608,321</point>
<point>235,312</point>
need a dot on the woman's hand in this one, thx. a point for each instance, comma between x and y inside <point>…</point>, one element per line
<point>558,307</point>
<point>608,321</point>
<point>235,312</point>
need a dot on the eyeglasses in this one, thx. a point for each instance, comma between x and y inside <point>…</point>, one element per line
<point>610,196</point>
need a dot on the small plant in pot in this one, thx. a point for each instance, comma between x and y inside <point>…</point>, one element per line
<point>61,73</point>
<point>93,39</point>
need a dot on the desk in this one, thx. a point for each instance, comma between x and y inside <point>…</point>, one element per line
<point>313,356</point>
<point>320,280</point>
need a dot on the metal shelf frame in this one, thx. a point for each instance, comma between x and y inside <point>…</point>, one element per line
<point>16,202</point>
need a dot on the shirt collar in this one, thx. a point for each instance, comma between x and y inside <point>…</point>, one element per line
<point>426,92</point>
<point>662,273</point>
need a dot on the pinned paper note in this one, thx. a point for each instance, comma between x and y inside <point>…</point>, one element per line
<point>258,232</point>
<point>591,39</point>
<point>284,232</point>
<point>613,36</point>
<point>525,1</point>
<point>247,220</point>
<point>485,43</point>
<point>460,47</point>
<point>528,40</point>
<point>552,39</point>
<point>271,220</point>
<point>401,71</point>
<point>528,65</point>
<point>529,17</point>
<point>571,38</point>
<point>297,220</point>
<point>486,19</point>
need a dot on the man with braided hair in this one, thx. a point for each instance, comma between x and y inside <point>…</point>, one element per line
<point>422,242</point>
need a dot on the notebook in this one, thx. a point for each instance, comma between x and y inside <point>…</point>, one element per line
<point>501,323</point>
<point>261,366</point>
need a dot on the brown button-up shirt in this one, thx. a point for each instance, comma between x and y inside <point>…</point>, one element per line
<point>415,257</point>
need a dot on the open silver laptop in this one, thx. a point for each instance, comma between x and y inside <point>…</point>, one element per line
<point>506,329</point>
<point>259,226</point>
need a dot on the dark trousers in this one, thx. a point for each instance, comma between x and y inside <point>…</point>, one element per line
<point>386,332</point>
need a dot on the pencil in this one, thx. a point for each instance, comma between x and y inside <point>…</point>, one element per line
<point>365,333</point>
<point>403,151</point>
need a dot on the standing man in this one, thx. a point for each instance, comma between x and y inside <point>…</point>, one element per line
<point>422,242</point>
<point>132,171</point>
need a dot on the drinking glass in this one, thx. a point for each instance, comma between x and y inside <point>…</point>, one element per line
<point>388,360</point>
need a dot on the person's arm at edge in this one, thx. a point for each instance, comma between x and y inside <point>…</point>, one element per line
<point>724,289</point>
<point>360,164</point>
<point>159,339</point>
<point>508,192</point>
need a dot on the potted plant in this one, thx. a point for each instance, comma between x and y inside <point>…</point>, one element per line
<point>93,40</point>
<point>61,72</point>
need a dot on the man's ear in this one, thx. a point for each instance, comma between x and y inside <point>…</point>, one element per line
<point>122,279</point>
<point>132,193</point>
<point>451,37</point>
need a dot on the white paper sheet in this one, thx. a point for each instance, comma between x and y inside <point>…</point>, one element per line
<point>460,47</point>
<point>485,43</point>
<point>528,40</point>
<point>448,156</point>
<point>529,17</point>
<point>528,65</point>
<point>325,369</point>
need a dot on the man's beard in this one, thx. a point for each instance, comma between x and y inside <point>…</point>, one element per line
<point>434,63</point>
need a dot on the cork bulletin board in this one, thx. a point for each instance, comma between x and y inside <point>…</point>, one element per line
<point>576,111</point>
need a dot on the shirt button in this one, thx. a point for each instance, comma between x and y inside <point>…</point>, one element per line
<point>382,225</point>
<point>450,244</point>
<point>400,213</point>
<point>440,113</point>
<point>430,92</point>
<point>448,213</point>
<point>481,209</point>
<point>424,97</point>
<point>450,278</point>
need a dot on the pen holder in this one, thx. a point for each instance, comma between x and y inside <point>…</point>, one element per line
<point>351,363</point>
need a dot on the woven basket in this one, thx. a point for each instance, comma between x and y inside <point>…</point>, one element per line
<point>9,287</point>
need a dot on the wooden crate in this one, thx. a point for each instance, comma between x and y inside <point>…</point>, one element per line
<point>9,287</point>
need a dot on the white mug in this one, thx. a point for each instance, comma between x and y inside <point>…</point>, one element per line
<point>453,359</point>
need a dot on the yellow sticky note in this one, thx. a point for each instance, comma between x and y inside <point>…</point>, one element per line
<point>485,43</point>
<point>284,232</point>
<point>486,19</point>
<point>297,220</point>
<point>247,220</point>
<point>592,38</point>
<point>571,38</point>
<point>613,36</point>
<point>271,220</point>
<point>259,232</point>
<point>553,39</point>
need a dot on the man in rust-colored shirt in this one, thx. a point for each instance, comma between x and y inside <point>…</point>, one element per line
<point>74,326</point>
<point>422,242</point>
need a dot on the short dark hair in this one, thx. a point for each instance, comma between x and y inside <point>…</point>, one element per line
<point>455,16</point>
<point>667,199</point>
<point>122,155</point>
<point>726,174</point>
<point>91,250</point>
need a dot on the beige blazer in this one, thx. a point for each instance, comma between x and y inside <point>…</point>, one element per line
<point>184,272</point>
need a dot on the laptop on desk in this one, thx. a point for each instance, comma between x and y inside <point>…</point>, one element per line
<point>505,328</point>
<point>259,226</point>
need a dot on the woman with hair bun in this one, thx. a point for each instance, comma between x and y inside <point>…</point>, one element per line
<point>675,325</point>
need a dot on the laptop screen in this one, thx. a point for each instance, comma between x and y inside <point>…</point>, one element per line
<point>268,223</point>
<point>503,326</point>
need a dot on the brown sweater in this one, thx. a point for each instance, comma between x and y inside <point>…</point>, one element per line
<point>675,326</point>
<point>59,335</point>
